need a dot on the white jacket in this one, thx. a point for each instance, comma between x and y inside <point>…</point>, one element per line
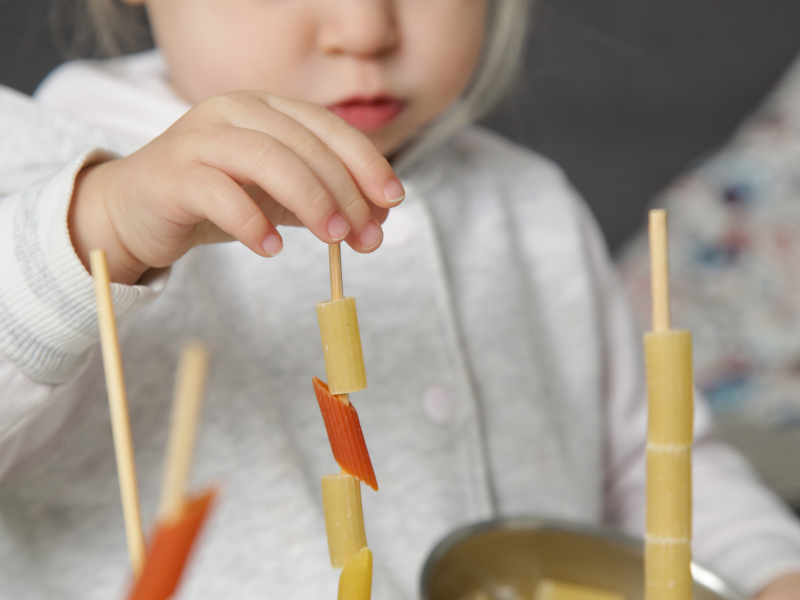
<point>505,376</point>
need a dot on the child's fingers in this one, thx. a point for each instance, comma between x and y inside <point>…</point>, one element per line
<point>365,233</point>
<point>207,232</point>
<point>217,198</point>
<point>276,213</point>
<point>252,157</point>
<point>369,168</point>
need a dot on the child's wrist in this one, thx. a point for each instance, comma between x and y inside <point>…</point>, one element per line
<point>91,227</point>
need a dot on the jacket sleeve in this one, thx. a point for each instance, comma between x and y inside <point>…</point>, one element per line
<point>742,531</point>
<point>48,325</point>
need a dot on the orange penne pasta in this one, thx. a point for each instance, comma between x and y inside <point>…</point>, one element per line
<point>345,436</point>
<point>170,549</point>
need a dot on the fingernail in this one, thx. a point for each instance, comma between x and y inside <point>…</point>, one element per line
<point>393,191</point>
<point>371,235</point>
<point>272,244</point>
<point>338,227</point>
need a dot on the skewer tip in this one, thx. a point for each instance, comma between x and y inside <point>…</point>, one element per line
<point>659,269</point>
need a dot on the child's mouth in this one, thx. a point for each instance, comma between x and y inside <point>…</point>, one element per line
<point>368,115</point>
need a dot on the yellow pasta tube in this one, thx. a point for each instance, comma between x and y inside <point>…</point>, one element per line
<point>670,387</point>
<point>344,520</point>
<point>670,391</point>
<point>551,589</point>
<point>355,582</point>
<point>341,346</point>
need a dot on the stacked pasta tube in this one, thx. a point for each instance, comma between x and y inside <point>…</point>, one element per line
<point>668,357</point>
<point>341,493</point>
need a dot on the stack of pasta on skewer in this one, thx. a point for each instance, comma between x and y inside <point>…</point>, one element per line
<point>157,573</point>
<point>341,493</point>
<point>670,391</point>
<point>670,432</point>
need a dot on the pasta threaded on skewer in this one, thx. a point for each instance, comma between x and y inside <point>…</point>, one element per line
<point>170,549</point>
<point>670,430</point>
<point>345,435</point>
<point>344,519</point>
<point>341,494</point>
<point>551,589</point>
<point>341,346</point>
<point>355,582</point>
<point>669,467</point>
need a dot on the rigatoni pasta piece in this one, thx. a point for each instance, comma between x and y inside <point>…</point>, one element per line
<point>169,551</point>
<point>551,589</point>
<point>344,433</point>
<point>341,346</point>
<point>355,582</point>
<point>668,538</point>
<point>344,519</point>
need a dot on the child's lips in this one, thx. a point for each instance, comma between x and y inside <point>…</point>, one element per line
<point>368,115</point>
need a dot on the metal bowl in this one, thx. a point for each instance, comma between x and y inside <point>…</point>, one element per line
<point>505,559</point>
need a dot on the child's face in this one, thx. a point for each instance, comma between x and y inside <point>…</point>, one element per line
<point>389,67</point>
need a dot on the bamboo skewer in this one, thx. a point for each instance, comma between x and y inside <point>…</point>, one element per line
<point>118,405</point>
<point>668,355</point>
<point>659,272</point>
<point>337,288</point>
<point>337,293</point>
<point>189,387</point>
<point>335,259</point>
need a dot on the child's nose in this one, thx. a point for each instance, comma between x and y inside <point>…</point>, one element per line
<point>363,28</point>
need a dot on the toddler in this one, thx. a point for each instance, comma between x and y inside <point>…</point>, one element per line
<point>505,375</point>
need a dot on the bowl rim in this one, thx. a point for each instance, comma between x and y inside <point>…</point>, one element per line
<point>701,575</point>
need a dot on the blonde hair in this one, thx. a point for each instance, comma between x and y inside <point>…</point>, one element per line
<point>118,28</point>
<point>98,28</point>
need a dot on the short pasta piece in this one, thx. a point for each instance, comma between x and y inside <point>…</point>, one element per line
<point>551,589</point>
<point>355,582</point>
<point>345,436</point>
<point>341,345</point>
<point>344,519</point>
<point>170,549</point>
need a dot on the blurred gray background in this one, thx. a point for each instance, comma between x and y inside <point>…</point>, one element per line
<point>623,94</point>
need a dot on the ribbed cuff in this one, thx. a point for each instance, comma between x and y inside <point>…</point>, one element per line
<point>756,564</point>
<point>48,319</point>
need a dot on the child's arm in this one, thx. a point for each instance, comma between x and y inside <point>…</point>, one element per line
<point>47,323</point>
<point>741,530</point>
<point>47,313</point>
<point>302,165</point>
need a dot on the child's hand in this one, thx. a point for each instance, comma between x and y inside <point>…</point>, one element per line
<point>785,588</point>
<point>234,167</point>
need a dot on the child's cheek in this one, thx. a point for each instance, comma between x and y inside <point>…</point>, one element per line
<point>444,42</point>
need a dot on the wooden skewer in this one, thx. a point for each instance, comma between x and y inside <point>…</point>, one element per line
<point>118,405</point>
<point>659,265</point>
<point>189,386</point>
<point>335,258</point>
<point>337,287</point>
